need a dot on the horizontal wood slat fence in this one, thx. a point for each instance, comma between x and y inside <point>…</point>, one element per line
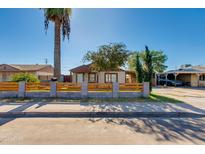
<point>59,89</point>
<point>66,87</point>
<point>38,87</point>
<point>9,86</point>
<point>100,87</point>
<point>126,87</point>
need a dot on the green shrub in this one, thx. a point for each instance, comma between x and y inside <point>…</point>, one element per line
<point>24,77</point>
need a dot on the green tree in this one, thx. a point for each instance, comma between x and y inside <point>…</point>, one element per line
<point>61,19</point>
<point>148,68</point>
<point>27,77</point>
<point>108,57</point>
<point>158,60</point>
<point>139,70</point>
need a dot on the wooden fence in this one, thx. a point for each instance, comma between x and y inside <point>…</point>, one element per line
<point>46,89</point>
<point>99,87</point>
<point>9,86</point>
<point>130,87</point>
<point>38,87</point>
<point>68,87</point>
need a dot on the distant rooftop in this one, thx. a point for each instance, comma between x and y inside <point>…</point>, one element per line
<point>187,68</point>
<point>27,67</point>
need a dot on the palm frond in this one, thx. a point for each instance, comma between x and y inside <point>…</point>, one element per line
<point>61,15</point>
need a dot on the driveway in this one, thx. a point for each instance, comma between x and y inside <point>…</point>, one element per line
<point>191,96</point>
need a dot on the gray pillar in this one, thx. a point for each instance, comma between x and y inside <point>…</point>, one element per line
<point>53,89</point>
<point>84,89</point>
<point>146,89</point>
<point>22,89</point>
<point>115,90</point>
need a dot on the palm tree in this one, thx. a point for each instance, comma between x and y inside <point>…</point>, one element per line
<point>61,19</point>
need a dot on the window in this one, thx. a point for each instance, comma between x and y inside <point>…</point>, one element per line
<point>202,78</point>
<point>92,77</point>
<point>110,77</point>
<point>79,78</point>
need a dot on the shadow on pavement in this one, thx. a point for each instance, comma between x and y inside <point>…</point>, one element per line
<point>164,129</point>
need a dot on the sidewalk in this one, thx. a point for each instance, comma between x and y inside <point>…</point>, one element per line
<point>84,107</point>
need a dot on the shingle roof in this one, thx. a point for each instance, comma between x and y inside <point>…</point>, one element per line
<point>28,67</point>
<point>81,69</point>
<point>85,69</point>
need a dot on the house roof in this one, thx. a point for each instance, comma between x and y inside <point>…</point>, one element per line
<point>85,69</point>
<point>192,69</point>
<point>81,69</point>
<point>27,67</point>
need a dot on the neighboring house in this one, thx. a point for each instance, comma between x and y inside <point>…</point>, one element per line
<point>42,72</point>
<point>84,73</point>
<point>191,75</point>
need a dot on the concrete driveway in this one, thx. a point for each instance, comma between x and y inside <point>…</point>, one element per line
<point>194,97</point>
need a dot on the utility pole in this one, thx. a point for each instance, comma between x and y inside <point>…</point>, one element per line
<point>46,61</point>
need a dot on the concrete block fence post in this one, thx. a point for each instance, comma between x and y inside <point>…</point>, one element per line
<point>115,90</point>
<point>84,89</point>
<point>146,89</point>
<point>22,89</point>
<point>53,89</point>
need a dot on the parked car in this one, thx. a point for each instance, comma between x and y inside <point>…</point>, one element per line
<point>170,82</point>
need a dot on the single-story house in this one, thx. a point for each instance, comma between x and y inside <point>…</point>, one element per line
<point>84,73</point>
<point>193,76</point>
<point>42,72</point>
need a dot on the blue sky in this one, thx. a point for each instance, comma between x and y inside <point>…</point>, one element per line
<point>180,33</point>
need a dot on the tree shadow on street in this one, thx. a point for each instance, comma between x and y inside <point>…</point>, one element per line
<point>164,129</point>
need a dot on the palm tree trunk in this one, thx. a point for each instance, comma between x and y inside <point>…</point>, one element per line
<point>57,50</point>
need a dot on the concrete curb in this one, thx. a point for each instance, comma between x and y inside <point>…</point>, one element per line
<point>100,115</point>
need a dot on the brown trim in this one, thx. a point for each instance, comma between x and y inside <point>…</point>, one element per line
<point>110,74</point>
